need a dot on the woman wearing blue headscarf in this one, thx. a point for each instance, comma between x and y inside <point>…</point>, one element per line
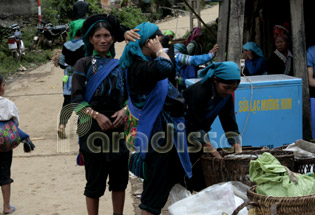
<point>255,63</point>
<point>155,115</point>
<point>187,65</point>
<point>98,91</point>
<point>207,99</point>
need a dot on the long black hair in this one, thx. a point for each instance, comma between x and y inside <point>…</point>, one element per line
<point>1,79</point>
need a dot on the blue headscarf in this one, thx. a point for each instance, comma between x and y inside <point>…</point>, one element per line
<point>180,47</point>
<point>146,30</point>
<point>225,70</point>
<point>253,47</point>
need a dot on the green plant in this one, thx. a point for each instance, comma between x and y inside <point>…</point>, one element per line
<point>208,40</point>
<point>130,17</point>
<point>28,33</point>
<point>8,64</point>
<point>61,11</point>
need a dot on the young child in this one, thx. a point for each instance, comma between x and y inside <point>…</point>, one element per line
<point>9,112</point>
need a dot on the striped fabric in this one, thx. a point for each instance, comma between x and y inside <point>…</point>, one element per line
<point>163,64</point>
<point>138,166</point>
<point>194,60</point>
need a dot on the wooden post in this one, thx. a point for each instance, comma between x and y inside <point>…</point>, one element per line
<point>299,61</point>
<point>199,18</point>
<point>191,18</point>
<point>236,26</point>
<point>198,11</point>
<point>223,26</point>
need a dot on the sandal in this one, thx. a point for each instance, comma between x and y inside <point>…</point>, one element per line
<point>11,211</point>
<point>62,133</point>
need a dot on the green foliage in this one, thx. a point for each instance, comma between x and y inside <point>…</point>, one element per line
<point>51,12</point>
<point>207,39</point>
<point>28,33</point>
<point>61,11</point>
<point>95,7</point>
<point>9,66</point>
<point>130,17</point>
<point>31,59</point>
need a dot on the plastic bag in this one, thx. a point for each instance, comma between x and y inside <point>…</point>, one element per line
<point>178,193</point>
<point>214,200</point>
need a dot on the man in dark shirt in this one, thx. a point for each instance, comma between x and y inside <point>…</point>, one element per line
<point>80,8</point>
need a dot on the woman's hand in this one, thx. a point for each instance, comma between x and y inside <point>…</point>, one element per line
<point>104,123</point>
<point>156,47</point>
<point>237,148</point>
<point>208,148</point>
<point>120,116</point>
<point>131,35</point>
<point>154,44</point>
<point>214,50</point>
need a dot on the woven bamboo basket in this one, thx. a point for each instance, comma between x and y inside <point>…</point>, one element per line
<point>302,205</point>
<point>301,165</point>
<point>237,168</point>
<point>304,165</point>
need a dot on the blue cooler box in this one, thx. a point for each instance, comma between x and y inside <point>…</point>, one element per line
<point>268,110</point>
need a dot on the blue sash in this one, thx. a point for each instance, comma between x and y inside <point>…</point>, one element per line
<point>98,78</point>
<point>181,146</point>
<point>217,108</point>
<point>147,117</point>
<point>148,114</point>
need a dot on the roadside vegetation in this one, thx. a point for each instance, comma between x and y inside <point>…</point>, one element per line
<point>60,12</point>
<point>9,66</point>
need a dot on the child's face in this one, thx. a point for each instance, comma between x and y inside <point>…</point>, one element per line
<point>2,89</point>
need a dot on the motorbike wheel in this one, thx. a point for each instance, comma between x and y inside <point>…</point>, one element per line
<point>17,56</point>
<point>64,38</point>
<point>35,44</point>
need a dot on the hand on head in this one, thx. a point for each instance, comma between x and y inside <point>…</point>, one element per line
<point>154,44</point>
<point>131,35</point>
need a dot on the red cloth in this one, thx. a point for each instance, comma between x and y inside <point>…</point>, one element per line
<point>280,30</point>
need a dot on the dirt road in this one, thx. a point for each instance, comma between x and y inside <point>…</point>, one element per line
<point>47,181</point>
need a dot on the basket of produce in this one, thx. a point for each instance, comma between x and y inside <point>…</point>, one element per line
<point>278,189</point>
<point>235,167</point>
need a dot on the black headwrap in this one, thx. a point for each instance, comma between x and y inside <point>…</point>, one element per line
<point>113,26</point>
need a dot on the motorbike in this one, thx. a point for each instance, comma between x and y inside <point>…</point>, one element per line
<point>15,42</point>
<point>50,35</point>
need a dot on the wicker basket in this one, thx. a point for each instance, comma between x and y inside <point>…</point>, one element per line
<point>237,168</point>
<point>302,205</point>
<point>301,165</point>
<point>304,165</point>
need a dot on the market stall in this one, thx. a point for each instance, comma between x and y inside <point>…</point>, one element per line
<point>268,111</point>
